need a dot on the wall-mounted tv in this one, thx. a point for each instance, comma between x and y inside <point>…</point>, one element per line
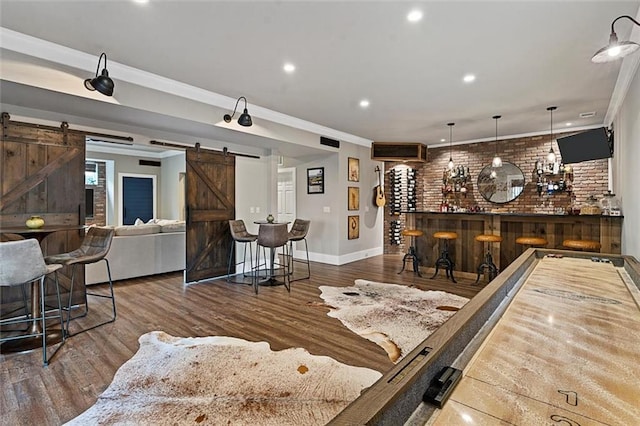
<point>590,145</point>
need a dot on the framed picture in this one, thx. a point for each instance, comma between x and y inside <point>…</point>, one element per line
<point>353,231</point>
<point>353,198</point>
<point>354,170</point>
<point>315,180</point>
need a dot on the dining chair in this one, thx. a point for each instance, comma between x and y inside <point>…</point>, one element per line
<point>298,232</point>
<point>94,248</point>
<point>22,263</point>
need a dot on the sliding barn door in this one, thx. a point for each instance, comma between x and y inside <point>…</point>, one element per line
<point>210,204</point>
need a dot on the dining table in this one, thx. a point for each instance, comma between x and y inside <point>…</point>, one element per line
<point>54,335</point>
<point>271,279</point>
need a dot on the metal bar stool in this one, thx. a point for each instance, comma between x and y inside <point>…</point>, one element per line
<point>240,235</point>
<point>582,245</point>
<point>273,236</point>
<point>298,232</point>
<point>532,241</point>
<point>94,248</point>
<point>23,263</point>
<point>445,260</point>
<point>488,259</point>
<point>411,254</point>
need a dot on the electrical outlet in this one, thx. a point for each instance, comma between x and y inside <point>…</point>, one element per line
<point>252,209</point>
<point>257,209</point>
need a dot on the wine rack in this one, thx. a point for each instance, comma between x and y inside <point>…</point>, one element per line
<point>403,193</point>
<point>394,232</point>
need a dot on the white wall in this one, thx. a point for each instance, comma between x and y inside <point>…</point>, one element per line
<point>253,190</point>
<point>170,204</point>
<point>626,163</point>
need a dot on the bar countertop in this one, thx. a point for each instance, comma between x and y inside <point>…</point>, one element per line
<point>515,214</point>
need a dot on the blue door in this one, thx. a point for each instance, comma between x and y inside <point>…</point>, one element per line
<point>137,199</point>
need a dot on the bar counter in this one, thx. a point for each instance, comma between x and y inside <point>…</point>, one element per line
<point>468,253</point>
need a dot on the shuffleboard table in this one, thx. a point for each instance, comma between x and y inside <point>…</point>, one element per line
<point>554,339</point>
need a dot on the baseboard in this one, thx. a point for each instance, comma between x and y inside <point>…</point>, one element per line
<point>339,260</point>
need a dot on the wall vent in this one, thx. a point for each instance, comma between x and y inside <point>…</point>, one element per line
<point>587,114</point>
<point>149,163</point>
<point>329,142</point>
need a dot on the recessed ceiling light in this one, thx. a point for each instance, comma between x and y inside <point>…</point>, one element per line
<point>568,124</point>
<point>289,68</point>
<point>414,16</point>
<point>443,140</point>
<point>364,103</point>
<point>469,78</point>
<point>141,1</point>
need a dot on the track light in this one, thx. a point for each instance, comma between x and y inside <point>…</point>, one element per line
<point>615,49</point>
<point>244,119</point>
<point>102,83</point>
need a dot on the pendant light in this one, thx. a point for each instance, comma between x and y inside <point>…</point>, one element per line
<point>450,165</point>
<point>551,156</point>
<point>497,161</point>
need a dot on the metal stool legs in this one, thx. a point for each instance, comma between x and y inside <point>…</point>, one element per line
<point>411,256</point>
<point>111,296</point>
<point>292,260</point>
<point>487,264</point>
<point>445,262</point>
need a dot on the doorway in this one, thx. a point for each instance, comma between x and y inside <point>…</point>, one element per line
<point>286,194</point>
<point>137,198</point>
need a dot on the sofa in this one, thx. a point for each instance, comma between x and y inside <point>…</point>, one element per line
<point>155,247</point>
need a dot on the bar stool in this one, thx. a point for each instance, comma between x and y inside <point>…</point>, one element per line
<point>488,259</point>
<point>298,232</point>
<point>240,235</point>
<point>532,241</point>
<point>273,236</point>
<point>445,260</point>
<point>583,245</point>
<point>411,254</point>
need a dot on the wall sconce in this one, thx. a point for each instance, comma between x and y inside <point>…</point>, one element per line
<point>102,83</point>
<point>615,49</point>
<point>244,119</point>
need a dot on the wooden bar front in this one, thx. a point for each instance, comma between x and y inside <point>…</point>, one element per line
<point>468,253</point>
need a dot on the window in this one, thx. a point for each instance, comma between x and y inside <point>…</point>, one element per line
<point>88,196</point>
<point>91,173</point>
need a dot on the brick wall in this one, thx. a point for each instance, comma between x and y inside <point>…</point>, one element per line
<point>590,178</point>
<point>99,198</point>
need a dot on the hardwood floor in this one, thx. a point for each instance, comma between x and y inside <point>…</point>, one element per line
<point>85,365</point>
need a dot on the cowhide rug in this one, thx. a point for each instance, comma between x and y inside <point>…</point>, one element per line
<point>395,317</point>
<point>224,380</point>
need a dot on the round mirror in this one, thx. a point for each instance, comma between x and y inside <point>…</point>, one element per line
<point>501,184</point>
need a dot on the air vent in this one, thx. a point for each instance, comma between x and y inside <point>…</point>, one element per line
<point>587,114</point>
<point>329,142</point>
<point>150,163</point>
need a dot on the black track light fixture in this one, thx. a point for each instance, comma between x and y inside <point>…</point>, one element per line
<point>244,119</point>
<point>102,83</point>
<point>615,49</point>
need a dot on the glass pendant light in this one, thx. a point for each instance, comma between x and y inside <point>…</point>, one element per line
<point>497,161</point>
<point>450,165</point>
<point>551,156</point>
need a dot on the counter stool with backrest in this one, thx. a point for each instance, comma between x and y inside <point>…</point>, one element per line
<point>22,263</point>
<point>531,242</point>
<point>412,255</point>
<point>298,232</point>
<point>582,245</point>
<point>445,260</point>
<point>239,234</point>
<point>94,248</point>
<point>273,236</point>
<point>488,259</point>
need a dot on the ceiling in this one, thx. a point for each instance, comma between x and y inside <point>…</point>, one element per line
<point>526,56</point>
